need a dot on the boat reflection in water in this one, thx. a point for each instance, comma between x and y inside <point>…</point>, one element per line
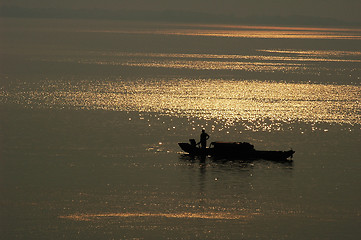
<point>235,150</point>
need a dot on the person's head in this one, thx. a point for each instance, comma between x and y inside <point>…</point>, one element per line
<point>203,130</point>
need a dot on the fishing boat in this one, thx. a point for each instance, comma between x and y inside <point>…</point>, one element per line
<point>238,150</point>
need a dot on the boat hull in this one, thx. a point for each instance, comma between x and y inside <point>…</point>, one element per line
<point>242,151</point>
<point>188,148</point>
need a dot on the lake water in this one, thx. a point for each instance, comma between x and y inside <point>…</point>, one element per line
<point>92,111</point>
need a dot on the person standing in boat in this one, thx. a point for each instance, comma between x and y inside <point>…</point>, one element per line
<point>204,138</point>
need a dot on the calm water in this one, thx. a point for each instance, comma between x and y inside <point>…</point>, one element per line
<point>91,113</point>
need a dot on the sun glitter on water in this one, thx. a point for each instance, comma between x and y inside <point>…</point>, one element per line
<point>222,100</point>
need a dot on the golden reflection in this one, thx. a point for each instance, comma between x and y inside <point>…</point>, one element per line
<point>245,31</point>
<point>217,99</point>
<point>212,65</point>
<point>301,55</point>
<point>289,34</point>
<point>186,215</point>
<point>228,26</point>
<point>316,52</point>
<point>282,60</point>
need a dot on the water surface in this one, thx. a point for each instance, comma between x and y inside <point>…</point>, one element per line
<point>92,111</point>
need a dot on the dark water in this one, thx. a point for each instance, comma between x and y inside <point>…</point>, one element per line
<point>91,114</point>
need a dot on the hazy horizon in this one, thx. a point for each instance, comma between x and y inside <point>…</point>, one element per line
<point>229,11</point>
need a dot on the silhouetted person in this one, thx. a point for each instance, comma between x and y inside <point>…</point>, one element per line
<point>204,138</point>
